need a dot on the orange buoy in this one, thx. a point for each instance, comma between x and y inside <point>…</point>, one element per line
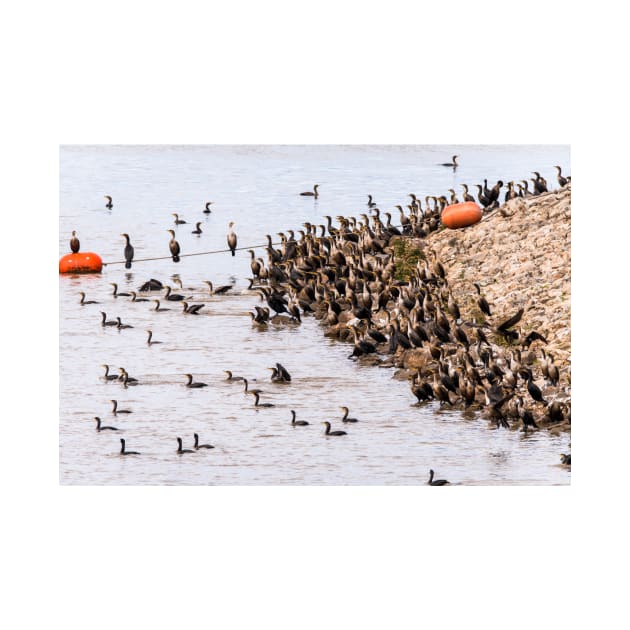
<point>461,215</point>
<point>82,262</point>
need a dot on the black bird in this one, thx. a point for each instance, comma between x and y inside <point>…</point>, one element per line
<point>109,203</point>
<point>178,221</point>
<point>207,208</point>
<point>534,390</point>
<point>135,298</point>
<point>197,229</point>
<point>123,451</point>
<point>158,307</point>
<point>257,403</point>
<point>108,376</point>
<point>329,432</point>
<point>105,322</point>
<point>150,341</point>
<point>482,303</point>
<point>566,459</point>
<point>561,180</point>
<point>180,450</point>
<point>151,285</point>
<point>75,245</point>
<point>115,292</point>
<point>198,446</point>
<point>436,482</point>
<point>370,203</point>
<point>115,409</point>
<point>454,163</point>
<point>531,337</point>
<point>231,238</point>
<point>504,328</point>
<point>193,309</point>
<point>83,301</point>
<point>345,415</point>
<point>172,297</point>
<point>281,374</point>
<point>120,325</point>
<point>311,194</point>
<point>196,384</point>
<point>128,252</point>
<point>231,377</point>
<point>173,246</point>
<point>99,427</point>
<point>297,423</point>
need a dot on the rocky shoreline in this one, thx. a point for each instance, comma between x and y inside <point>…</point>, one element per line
<point>520,256</point>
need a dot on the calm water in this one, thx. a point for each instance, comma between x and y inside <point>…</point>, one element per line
<point>395,442</point>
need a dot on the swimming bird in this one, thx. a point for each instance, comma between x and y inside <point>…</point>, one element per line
<point>135,298</point>
<point>207,208</point>
<point>75,245</point>
<point>150,341</point>
<point>436,482</point>
<point>231,377</point>
<point>329,432</point>
<point>345,415</point>
<point>115,409</point>
<point>198,446</point>
<point>83,301</point>
<point>151,285</point>
<point>173,246</point>
<point>256,393</point>
<point>308,193</point>
<point>219,290</point>
<point>128,251</point>
<point>297,423</point>
<point>178,221</point>
<point>158,307</point>
<point>193,309</point>
<point>105,322</point>
<point>125,452</point>
<point>370,203</point>
<point>280,374</point>
<point>180,450</point>
<point>197,229</point>
<point>115,292</point>
<point>454,163</point>
<point>231,238</point>
<point>566,459</point>
<point>100,427</point>
<point>172,297</point>
<point>109,203</point>
<point>108,376</point>
<point>120,325</point>
<point>196,384</point>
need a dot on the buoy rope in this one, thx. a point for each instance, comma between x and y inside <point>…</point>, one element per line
<point>216,251</point>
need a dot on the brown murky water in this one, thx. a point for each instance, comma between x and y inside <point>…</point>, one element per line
<point>394,442</point>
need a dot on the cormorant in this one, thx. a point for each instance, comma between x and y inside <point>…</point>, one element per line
<point>75,245</point>
<point>108,376</point>
<point>83,301</point>
<point>99,427</point>
<point>109,203</point>
<point>180,450</point>
<point>257,395</point>
<point>198,446</point>
<point>123,451</point>
<point>311,194</point>
<point>454,163</point>
<point>115,291</point>
<point>173,246</point>
<point>115,409</point>
<point>172,297</point>
<point>197,229</point>
<point>207,209</point>
<point>297,423</point>
<point>178,221</point>
<point>231,238</point>
<point>329,432</point>
<point>482,303</point>
<point>158,307</point>
<point>345,415</point>
<point>196,384</point>
<point>151,285</point>
<point>120,325</point>
<point>566,459</point>
<point>128,252</point>
<point>231,377</point>
<point>150,341</point>
<point>436,482</point>
<point>105,322</point>
<point>561,180</point>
